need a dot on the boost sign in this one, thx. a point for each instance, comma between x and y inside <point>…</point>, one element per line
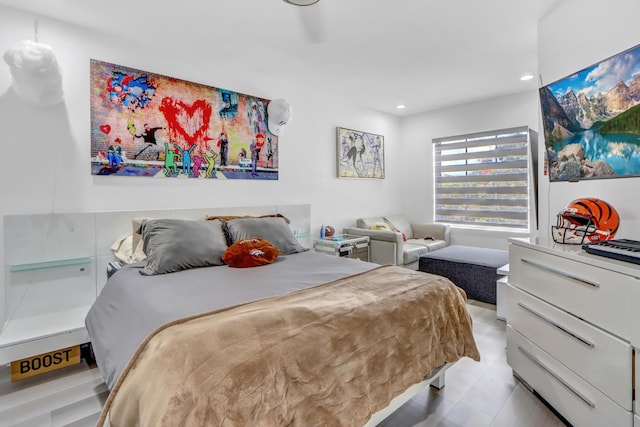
<point>44,363</point>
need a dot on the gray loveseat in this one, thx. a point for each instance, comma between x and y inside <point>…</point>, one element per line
<point>389,247</point>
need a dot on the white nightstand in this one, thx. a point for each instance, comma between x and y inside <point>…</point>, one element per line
<point>50,283</point>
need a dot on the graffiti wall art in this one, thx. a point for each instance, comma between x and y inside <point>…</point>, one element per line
<point>146,124</point>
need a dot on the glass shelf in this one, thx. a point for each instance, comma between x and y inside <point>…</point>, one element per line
<point>49,264</point>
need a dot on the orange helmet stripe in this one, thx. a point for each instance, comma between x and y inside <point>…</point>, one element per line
<point>603,215</point>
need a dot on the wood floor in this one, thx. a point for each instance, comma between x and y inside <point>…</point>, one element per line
<point>476,394</point>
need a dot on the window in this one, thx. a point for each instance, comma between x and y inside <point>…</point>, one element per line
<point>483,179</point>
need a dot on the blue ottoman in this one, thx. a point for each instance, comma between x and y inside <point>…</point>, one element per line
<point>470,268</point>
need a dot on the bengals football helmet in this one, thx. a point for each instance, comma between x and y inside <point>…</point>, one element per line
<point>586,220</point>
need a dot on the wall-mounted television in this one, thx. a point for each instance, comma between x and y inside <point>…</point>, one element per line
<point>591,120</point>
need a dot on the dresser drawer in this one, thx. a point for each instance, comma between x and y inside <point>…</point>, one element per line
<point>600,358</point>
<point>604,297</point>
<point>579,402</point>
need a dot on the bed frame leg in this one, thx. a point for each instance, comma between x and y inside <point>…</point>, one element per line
<point>438,382</point>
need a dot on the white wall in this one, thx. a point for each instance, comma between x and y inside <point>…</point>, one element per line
<point>46,156</point>
<point>577,34</point>
<point>307,146</point>
<point>416,153</point>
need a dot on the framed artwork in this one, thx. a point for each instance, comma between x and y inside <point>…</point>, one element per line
<point>150,125</point>
<point>359,154</point>
<point>591,120</point>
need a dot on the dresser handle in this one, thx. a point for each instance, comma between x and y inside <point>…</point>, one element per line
<point>557,377</point>
<point>557,325</point>
<point>561,273</point>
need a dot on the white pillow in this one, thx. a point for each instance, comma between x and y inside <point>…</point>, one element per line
<point>128,248</point>
<point>122,248</point>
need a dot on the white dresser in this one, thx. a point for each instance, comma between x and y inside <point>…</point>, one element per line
<point>573,321</point>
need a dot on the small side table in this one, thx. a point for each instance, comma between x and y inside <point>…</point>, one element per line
<point>344,245</point>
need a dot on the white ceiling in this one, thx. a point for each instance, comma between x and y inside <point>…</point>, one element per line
<point>423,53</point>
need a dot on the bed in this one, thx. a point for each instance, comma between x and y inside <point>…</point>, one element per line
<point>189,336</point>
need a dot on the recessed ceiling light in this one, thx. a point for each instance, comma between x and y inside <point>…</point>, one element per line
<point>302,2</point>
<point>401,106</point>
<point>526,77</point>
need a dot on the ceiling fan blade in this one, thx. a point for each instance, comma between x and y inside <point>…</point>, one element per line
<point>311,19</point>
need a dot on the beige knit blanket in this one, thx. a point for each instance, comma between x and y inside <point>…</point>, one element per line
<point>331,355</point>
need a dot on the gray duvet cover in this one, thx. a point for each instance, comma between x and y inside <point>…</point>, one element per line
<point>131,305</point>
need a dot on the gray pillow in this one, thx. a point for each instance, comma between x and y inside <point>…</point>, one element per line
<point>178,244</point>
<point>274,230</point>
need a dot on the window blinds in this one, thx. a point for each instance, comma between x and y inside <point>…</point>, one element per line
<point>483,178</point>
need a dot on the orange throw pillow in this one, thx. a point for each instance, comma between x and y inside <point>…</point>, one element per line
<point>250,252</point>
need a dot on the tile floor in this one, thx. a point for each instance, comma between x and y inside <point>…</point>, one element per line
<point>478,394</point>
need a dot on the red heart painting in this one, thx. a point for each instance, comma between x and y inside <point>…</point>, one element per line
<point>187,122</point>
<point>106,129</point>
